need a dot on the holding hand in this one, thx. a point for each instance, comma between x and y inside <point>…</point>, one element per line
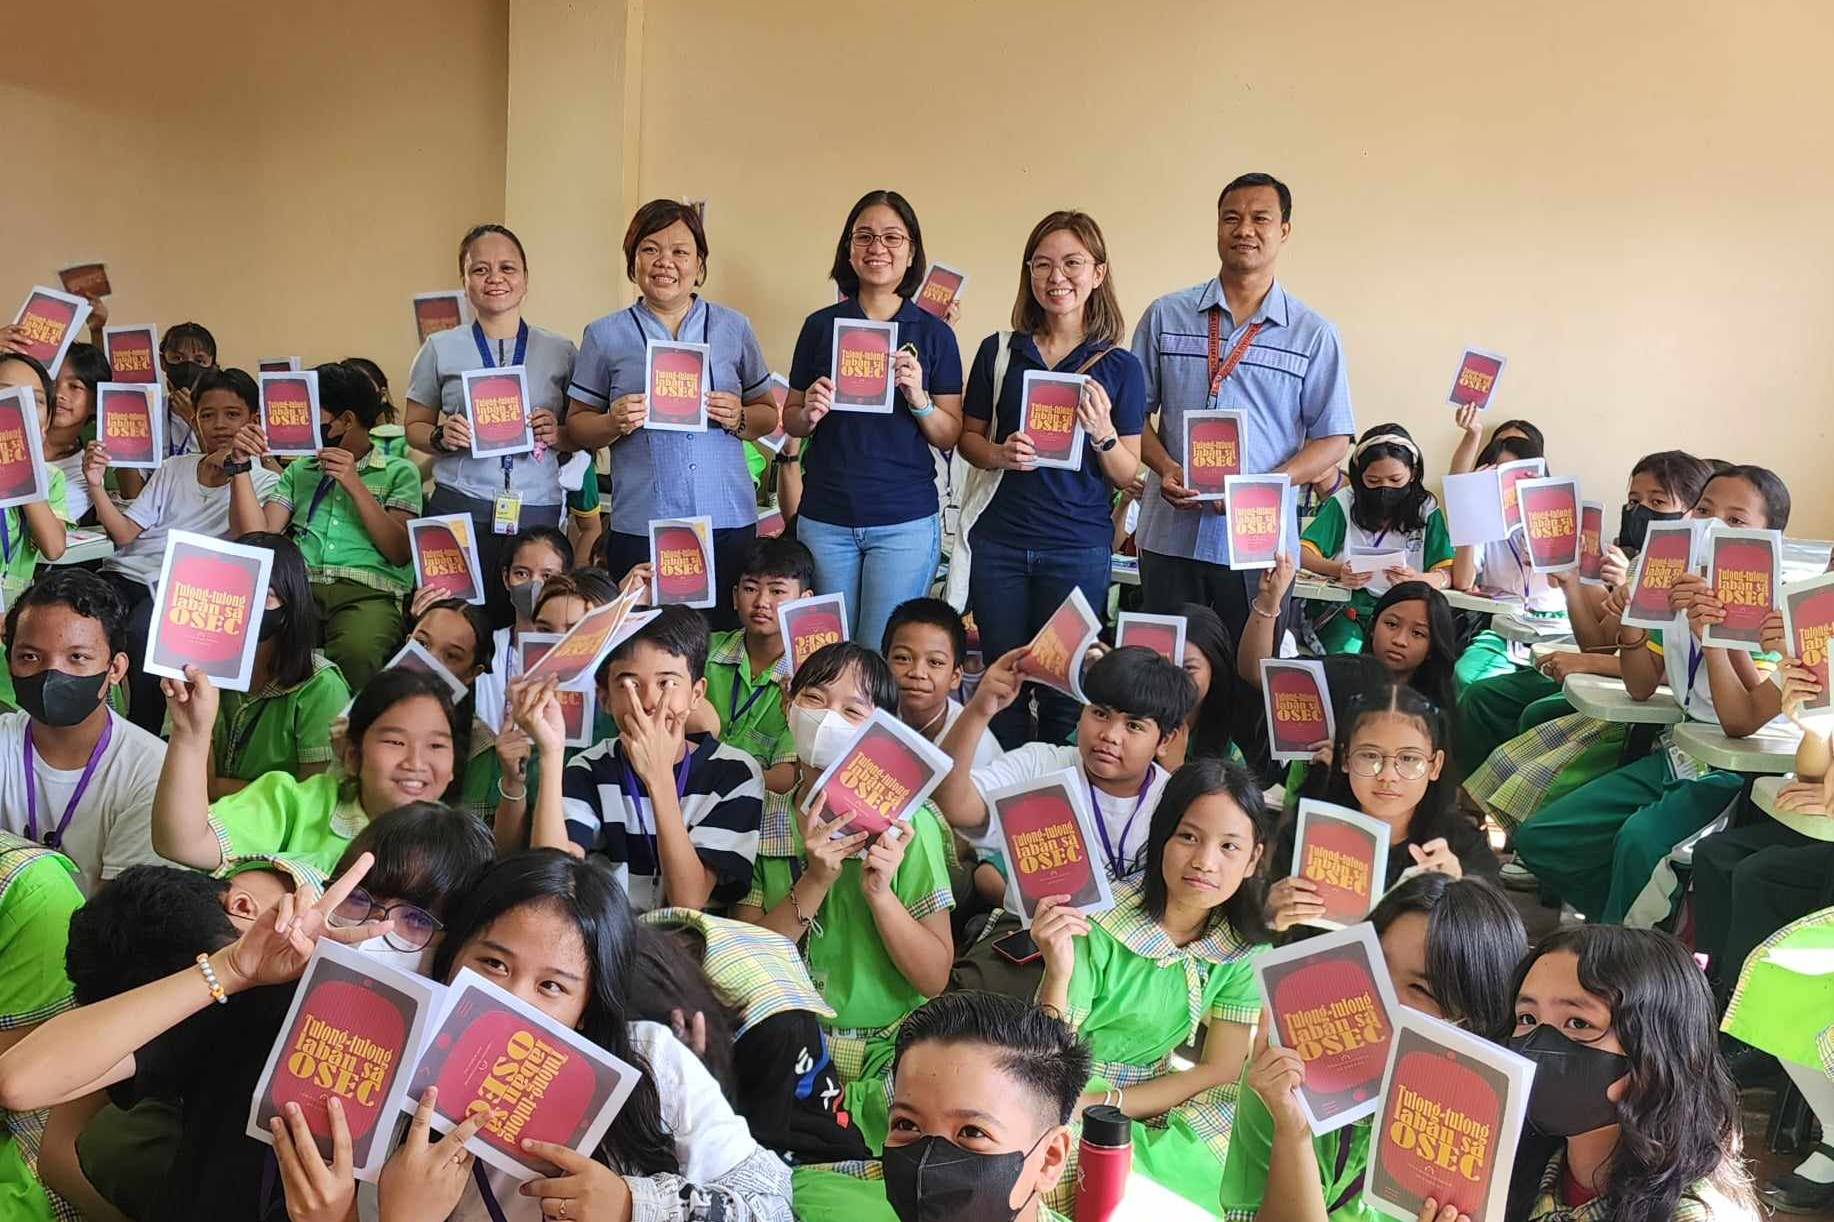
<point>315,1192</point>
<point>1614,569</point>
<point>628,412</point>
<point>536,709</point>
<point>1055,927</point>
<point>1770,634</point>
<point>455,432</point>
<point>585,1189</point>
<point>1800,685</point>
<point>818,400</point>
<point>1292,901</point>
<point>907,376</point>
<point>825,853</point>
<point>1095,411</point>
<point>883,857</point>
<point>423,1179</point>
<point>545,427</point>
<point>1275,582</point>
<point>1276,1075</point>
<point>724,411</point>
<point>1173,491</point>
<point>191,704</point>
<point>999,685</point>
<point>1017,453</point>
<point>1436,856</point>
<point>1352,579</point>
<point>1470,421</point>
<point>13,338</point>
<point>340,466</point>
<point>425,597</point>
<point>249,444</point>
<point>95,466</point>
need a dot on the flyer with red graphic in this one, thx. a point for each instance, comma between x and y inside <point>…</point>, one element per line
<point>681,562</point>
<point>85,279</point>
<point>1255,506</point>
<point>1475,382</point>
<point>1592,543</point>
<point>289,413</point>
<point>131,423</point>
<point>414,656</point>
<point>1550,520</point>
<point>1452,1110</point>
<point>881,776</point>
<point>1298,707</point>
<point>1050,838</point>
<point>862,365</point>
<point>1331,1001</point>
<point>1212,450</point>
<point>574,659</point>
<point>497,407</point>
<point>940,289</point>
<point>351,1035</point>
<point>1343,853</point>
<point>772,443</point>
<point>1055,656</point>
<point>1669,550</point>
<point>1508,475</point>
<point>446,556</point>
<point>1163,634</point>
<point>1744,571</point>
<point>277,364</point>
<point>770,522</point>
<point>1808,622</point>
<point>49,322</point>
<point>578,701</point>
<point>675,386</point>
<point>436,312</point>
<point>810,624</point>
<point>24,477</point>
<point>207,612</point>
<point>1047,415</point>
<point>133,353</point>
<point>540,1081</point>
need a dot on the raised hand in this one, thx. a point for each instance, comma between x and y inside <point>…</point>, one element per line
<point>423,1179</point>
<point>826,854</point>
<point>1055,928</point>
<point>1292,901</point>
<point>274,949</point>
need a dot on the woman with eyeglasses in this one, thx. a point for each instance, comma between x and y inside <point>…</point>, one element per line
<point>869,510</point>
<point>427,854</point>
<point>1389,762</point>
<point>1037,532</point>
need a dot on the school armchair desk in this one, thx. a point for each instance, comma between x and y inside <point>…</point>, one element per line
<point>1483,604</point>
<point>1769,752</point>
<point>1604,699</point>
<point>1530,629</point>
<point>1320,592</point>
<point>1764,797</point>
<point>83,544</point>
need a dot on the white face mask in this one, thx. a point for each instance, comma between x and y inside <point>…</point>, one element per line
<point>413,961</point>
<point>820,734</point>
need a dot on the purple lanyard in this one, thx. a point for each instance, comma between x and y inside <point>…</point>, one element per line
<point>55,839</point>
<point>522,351</point>
<point>632,787</point>
<point>1522,568</point>
<point>1695,656</point>
<point>1117,867</point>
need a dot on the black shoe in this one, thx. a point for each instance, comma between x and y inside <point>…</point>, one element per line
<point>1753,1067</point>
<point>1792,1194</point>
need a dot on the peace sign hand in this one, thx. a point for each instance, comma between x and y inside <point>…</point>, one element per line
<point>423,1179</point>
<point>274,950</point>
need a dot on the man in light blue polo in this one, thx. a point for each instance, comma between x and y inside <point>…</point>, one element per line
<point>1237,341</point>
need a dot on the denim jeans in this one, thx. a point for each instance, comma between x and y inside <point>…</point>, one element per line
<point>876,567</point>
<point>1013,591</point>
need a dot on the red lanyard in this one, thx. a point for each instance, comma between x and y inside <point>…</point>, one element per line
<point>1220,367</point>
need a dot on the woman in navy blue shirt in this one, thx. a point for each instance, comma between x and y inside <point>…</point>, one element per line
<point>869,511</point>
<point>1047,530</point>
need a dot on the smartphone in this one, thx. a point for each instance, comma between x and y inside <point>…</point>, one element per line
<point>1018,947</point>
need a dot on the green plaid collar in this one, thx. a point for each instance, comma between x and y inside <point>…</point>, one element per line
<point>759,970</point>
<point>728,649</point>
<point>1128,923</point>
<point>272,688</point>
<point>17,853</point>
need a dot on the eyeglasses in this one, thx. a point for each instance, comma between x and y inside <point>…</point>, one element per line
<point>1072,267</point>
<point>863,239</point>
<point>1369,762</point>
<point>414,925</point>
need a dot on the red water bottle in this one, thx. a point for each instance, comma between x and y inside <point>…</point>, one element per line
<point>1103,1160</point>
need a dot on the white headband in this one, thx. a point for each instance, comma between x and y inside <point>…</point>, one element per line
<point>1388,439</point>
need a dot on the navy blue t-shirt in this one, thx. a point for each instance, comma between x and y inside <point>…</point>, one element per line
<point>1053,507</point>
<point>871,470</point>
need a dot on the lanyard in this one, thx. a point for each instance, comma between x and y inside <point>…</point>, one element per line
<point>1522,568</point>
<point>632,787</point>
<point>54,839</point>
<point>6,537</point>
<point>1116,866</point>
<point>490,1198</point>
<point>1695,656</point>
<point>1219,372</point>
<point>318,496</point>
<point>240,742</point>
<point>522,351</point>
<point>735,710</point>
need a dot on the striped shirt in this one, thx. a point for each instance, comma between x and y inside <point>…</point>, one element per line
<point>609,812</point>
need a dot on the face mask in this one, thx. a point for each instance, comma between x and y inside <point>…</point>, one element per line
<point>1634,526</point>
<point>273,620</point>
<point>414,961</point>
<point>183,375</point>
<point>522,598</point>
<point>935,1180</point>
<point>55,698</point>
<point>820,735</point>
<point>1570,1082</point>
<point>1384,503</point>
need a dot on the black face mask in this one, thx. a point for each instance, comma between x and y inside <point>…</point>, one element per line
<point>184,375</point>
<point>1382,504</point>
<point>1570,1082</point>
<point>55,698</point>
<point>273,621</point>
<point>935,1180</point>
<point>1633,527</point>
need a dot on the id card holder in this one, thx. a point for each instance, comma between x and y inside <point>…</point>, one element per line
<point>1681,765</point>
<point>507,518</point>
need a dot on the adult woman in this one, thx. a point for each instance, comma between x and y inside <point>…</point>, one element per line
<point>869,508</point>
<point>1037,533</point>
<point>659,473</point>
<point>516,490</point>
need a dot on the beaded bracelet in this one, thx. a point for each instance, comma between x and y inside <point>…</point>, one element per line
<point>210,978</point>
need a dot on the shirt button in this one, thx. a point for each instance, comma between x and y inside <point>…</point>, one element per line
<point>692,466</point>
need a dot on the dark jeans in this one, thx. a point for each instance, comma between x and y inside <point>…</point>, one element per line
<point>491,544</point>
<point>1013,591</point>
<point>1749,882</point>
<point>146,704</point>
<point>624,552</point>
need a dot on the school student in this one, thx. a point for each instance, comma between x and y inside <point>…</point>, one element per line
<point>1644,1122</point>
<point>656,473</point>
<point>187,354</point>
<point>744,663</point>
<point>35,530</point>
<point>870,912</point>
<point>926,644</point>
<point>189,492</point>
<point>348,509</point>
<point>1210,661</point>
<point>532,557</point>
<point>1451,947</point>
<point>282,723</point>
<point>77,777</point>
<point>1037,533</point>
<point>73,411</point>
<point>1173,956</point>
<point>674,815</point>
<point>1604,848</point>
<point>507,493</point>
<point>1384,508</point>
<point>869,506</point>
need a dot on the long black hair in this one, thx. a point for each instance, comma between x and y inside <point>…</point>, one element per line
<point>1200,778</point>
<point>842,273</point>
<point>1679,1121</point>
<point>585,892</point>
<point>382,693</point>
<point>290,659</point>
<point>1525,441</point>
<point>1434,678</point>
<point>1411,514</point>
<point>1213,720</point>
<point>1474,940</point>
<point>1436,815</point>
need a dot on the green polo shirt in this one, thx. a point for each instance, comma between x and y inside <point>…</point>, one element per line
<point>332,537</point>
<point>280,815</point>
<point>750,706</point>
<point>276,729</point>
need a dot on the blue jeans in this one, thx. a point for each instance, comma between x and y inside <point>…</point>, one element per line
<point>1013,591</point>
<point>876,567</point>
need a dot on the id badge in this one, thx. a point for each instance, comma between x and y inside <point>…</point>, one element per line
<point>1681,765</point>
<point>508,516</point>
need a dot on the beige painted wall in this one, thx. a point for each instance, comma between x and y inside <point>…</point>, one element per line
<point>291,185</point>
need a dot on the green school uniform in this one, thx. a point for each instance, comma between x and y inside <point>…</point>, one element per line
<point>1333,532</point>
<point>1135,1013</point>
<point>276,729</point>
<point>1787,1013</point>
<point>19,557</point>
<point>854,1192</point>
<point>279,815</point>
<point>391,439</point>
<point>38,893</point>
<point>1342,1154</point>
<point>480,785</point>
<point>847,959</point>
<point>750,706</point>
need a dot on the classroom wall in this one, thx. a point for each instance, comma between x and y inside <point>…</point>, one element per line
<point>289,175</point>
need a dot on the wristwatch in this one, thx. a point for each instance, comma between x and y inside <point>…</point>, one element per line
<point>437,438</point>
<point>232,467</point>
<point>1108,443</point>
